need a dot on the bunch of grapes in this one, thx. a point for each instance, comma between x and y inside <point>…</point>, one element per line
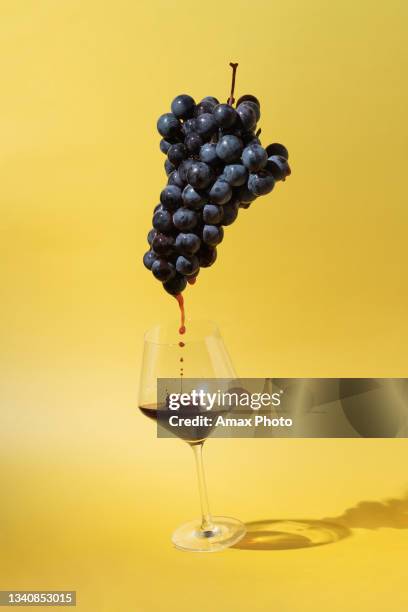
<point>215,165</point>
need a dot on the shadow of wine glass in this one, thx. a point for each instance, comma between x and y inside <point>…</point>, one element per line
<point>273,534</point>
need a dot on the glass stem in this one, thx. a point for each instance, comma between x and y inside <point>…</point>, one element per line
<point>206,518</point>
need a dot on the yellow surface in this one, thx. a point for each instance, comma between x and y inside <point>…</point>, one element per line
<point>311,281</point>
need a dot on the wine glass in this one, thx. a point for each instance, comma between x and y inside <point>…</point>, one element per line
<point>199,354</point>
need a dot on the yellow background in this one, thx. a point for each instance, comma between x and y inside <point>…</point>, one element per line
<point>311,281</point>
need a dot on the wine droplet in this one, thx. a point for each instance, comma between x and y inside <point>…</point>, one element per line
<point>182,328</point>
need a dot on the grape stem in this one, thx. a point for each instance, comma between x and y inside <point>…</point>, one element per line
<point>231,99</point>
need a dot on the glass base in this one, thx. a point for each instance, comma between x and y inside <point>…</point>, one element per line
<point>225,532</point>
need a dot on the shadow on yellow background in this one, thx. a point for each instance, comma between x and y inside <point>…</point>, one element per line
<point>275,534</point>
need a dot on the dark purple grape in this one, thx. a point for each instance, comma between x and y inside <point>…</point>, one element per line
<point>248,98</point>
<point>163,270</point>
<point>192,198</point>
<point>208,154</point>
<point>235,174</point>
<point>193,143</point>
<point>229,148</point>
<point>175,179</point>
<point>162,244</point>
<point>245,196</point>
<point>176,153</point>
<point>183,106</point>
<point>254,157</point>
<point>230,213</point>
<point>206,255</point>
<point>149,258</point>
<point>278,167</point>
<point>247,116</point>
<point>150,236</point>
<point>212,234</point>
<point>199,175</point>
<point>170,197</point>
<point>187,244</point>
<point>211,100</point>
<point>212,213</point>
<point>261,183</point>
<point>206,125</point>
<point>220,192</point>
<point>277,149</point>
<point>192,279</point>
<point>162,221</point>
<point>225,115</point>
<point>185,219</point>
<point>255,107</point>
<point>169,126</point>
<point>176,285</point>
<point>187,265</point>
<point>168,167</point>
<point>164,146</point>
<point>183,168</point>
<point>206,105</point>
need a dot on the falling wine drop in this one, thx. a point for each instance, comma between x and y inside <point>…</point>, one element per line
<point>182,328</point>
